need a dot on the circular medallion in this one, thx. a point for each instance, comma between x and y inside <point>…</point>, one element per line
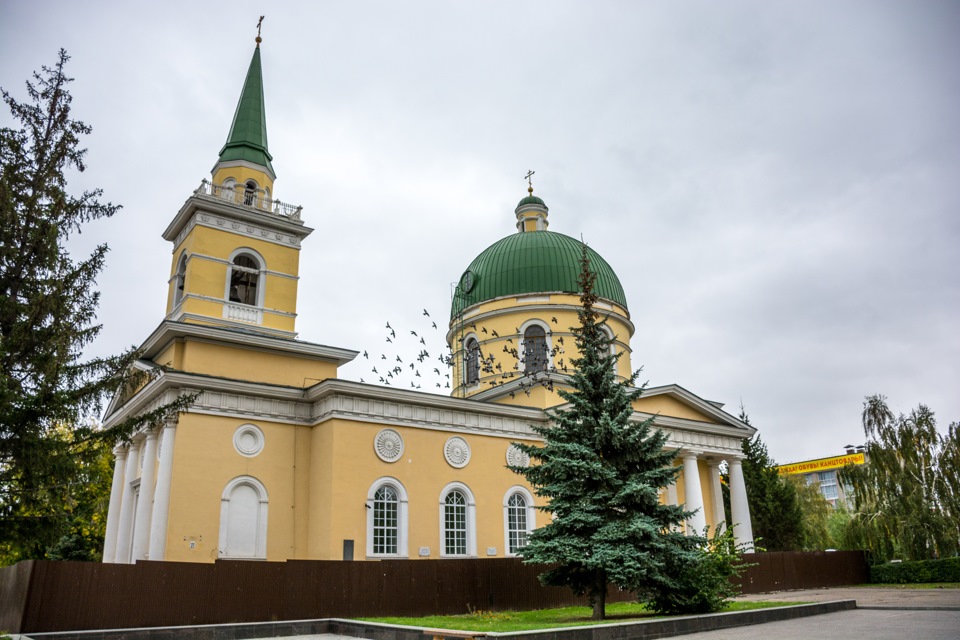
<point>389,445</point>
<point>517,458</point>
<point>457,452</point>
<point>248,440</point>
<point>467,280</point>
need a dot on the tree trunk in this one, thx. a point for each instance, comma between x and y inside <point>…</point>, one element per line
<point>599,596</point>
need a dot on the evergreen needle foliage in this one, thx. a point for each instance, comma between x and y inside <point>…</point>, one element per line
<point>601,472</point>
<point>48,394</point>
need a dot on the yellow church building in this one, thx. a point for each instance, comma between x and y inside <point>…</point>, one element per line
<point>278,458</point>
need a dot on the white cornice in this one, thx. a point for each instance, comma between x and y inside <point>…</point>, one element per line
<point>218,214</point>
<point>353,401</point>
<point>472,315</point>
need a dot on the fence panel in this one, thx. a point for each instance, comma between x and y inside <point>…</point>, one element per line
<point>40,596</point>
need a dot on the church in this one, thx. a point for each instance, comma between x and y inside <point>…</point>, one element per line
<point>278,458</point>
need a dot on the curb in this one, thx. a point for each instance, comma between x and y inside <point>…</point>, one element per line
<point>642,630</point>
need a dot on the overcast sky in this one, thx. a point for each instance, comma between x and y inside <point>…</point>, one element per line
<point>777,184</point>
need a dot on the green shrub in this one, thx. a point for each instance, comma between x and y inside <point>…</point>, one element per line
<point>944,570</point>
<point>700,582</point>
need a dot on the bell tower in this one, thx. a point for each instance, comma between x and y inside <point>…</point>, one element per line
<point>236,249</point>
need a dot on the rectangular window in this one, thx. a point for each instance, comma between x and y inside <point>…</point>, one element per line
<point>828,484</point>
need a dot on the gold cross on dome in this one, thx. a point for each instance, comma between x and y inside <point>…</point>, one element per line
<point>529,181</point>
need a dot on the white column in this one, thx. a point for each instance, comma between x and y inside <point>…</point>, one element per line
<point>739,508</point>
<point>715,491</point>
<point>672,493</point>
<point>113,511</point>
<point>141,539</point>
<point>125,526</point>
<point>161,496</point>
<point>693,494</point>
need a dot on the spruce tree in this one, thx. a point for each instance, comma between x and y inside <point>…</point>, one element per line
<point>600,473</point>
<point>49,395</point>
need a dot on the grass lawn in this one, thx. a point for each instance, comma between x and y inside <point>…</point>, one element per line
<point>916,585</point>
<point>503,621</point>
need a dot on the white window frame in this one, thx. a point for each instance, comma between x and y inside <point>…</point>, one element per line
<point>402,517</point>
<point>471,520</point>
<point>467,338</point>
<point>548,336</point>
<point>261,553</point>
<point>261,276</point>
<point>531,516</point>
<point>180,281</point>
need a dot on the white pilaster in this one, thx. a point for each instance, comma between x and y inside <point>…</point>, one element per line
<point>739,507</point>
<point>141,539</point>
<point>113,511</point>
<point>716,493</point>
<point>161,496</point>
<point>125,526</point>
<point>693,493</point>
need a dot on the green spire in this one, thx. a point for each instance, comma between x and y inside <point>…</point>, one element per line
<point>248,133</point>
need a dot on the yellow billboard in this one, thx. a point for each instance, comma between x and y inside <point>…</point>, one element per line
<point>809,466</point>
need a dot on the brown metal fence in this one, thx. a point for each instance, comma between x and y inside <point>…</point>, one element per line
<point>40,596</point>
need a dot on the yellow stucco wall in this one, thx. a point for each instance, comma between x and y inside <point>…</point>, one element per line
<point>497,327</point>
<point>230,361</point>
<point>669,406</point>
<point>208,252</point>
<point>318,502</point>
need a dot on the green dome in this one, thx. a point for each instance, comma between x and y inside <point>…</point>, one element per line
<point>532,262</point>
<point>531,199</point>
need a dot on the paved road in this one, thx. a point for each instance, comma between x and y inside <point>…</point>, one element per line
<point>860,624</point>
<point>871,597</point>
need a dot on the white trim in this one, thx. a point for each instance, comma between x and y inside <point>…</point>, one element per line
<point>531,515</point>
<point>258,444</point>
<point>548,337</point>
<point>261,277</point>
<point>209,258</point>
<point>261,543</point>
<point>471,513</point>
<point>453,446</point>
<point>402,517</point>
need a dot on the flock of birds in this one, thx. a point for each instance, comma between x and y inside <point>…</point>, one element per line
<point>496,359</point>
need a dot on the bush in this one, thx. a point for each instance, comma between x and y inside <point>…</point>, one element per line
<point>701,583</point>
<point>944,570</point>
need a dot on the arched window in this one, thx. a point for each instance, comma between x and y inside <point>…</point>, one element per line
<point>472,355</point>
<point>518,519</point>
<point>179,280</point>
<point>458,516</point>
<point>535,357</point>
<point>244,280</point>
<point>250,193</point>
<point>243,519</point>
<point>227,190</point>
<point>387,519</point>
<point>455,524</point>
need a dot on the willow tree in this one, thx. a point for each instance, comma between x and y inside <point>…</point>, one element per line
<point>907,492</point>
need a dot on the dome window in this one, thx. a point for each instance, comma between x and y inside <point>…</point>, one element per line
<point>472,352</point>
<point>535,357</point>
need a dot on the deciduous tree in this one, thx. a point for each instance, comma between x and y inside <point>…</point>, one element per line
<point>906,493</point>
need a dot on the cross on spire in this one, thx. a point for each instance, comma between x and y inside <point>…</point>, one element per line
<point>529,180</point>
<point>259,23</point>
